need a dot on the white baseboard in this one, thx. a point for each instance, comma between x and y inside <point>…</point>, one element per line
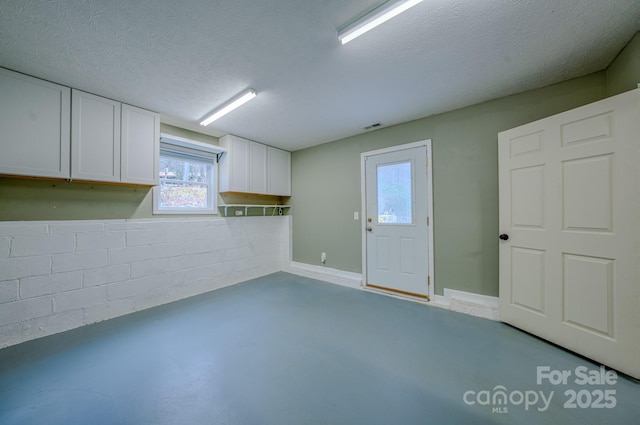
<point>477,305</point>
<point>339,277</point>
<point>460,301</point>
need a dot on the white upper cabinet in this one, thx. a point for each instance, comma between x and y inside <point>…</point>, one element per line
<point>250,167</point>
<point>258,168</point>
<point>35,126</point>
<point>95,138</point>
<point>48,130</point>
<point>279,165</point>
<point>113,142</point>
<point>234,166</point>
<point>140,152</point>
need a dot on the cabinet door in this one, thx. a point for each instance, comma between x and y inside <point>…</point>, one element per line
<point>140,146</point>
<point>279,166</point>
<point>35,121</point>
<point>234,166</point>
<point>258,168</point>
<point>95,138</point>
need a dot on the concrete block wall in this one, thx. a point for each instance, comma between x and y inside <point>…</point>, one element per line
<point>55,276</point>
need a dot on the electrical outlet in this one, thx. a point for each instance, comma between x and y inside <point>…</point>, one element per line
<point>239,212</point>
<point>323,257</point>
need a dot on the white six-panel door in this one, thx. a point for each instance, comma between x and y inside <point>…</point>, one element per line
<point>570,207</point>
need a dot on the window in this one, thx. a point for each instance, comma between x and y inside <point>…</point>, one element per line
<point>187,177</point>
<point>395,194</point>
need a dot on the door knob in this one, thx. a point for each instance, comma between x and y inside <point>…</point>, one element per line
<point>504,237</point>
<point>369,229</point>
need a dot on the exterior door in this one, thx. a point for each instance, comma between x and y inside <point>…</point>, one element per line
<point>570,213</point>
<point>396,233</point>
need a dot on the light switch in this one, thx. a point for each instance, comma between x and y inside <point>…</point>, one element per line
<point>356,215</point>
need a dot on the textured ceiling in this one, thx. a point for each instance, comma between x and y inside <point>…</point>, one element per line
<point>183,58</point>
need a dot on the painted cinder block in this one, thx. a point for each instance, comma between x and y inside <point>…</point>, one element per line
<point>78,261</point>
<point>196,273</point>
<point>206,229</point>
<point>230,243</point>
<point>106,277</point>
<point>97,313</point>
<point>185,261</point>
<point>108,274</point>
<point>50,284</point>
<point>117,225</point>
<point>204,233</point>
<point>22,246</point>
<point>198,245</point>
<point>215,256</point>
<point>120,290</point>
<point>5,247</point>
<point>145,237</point>
<point>11,228</point>
<point>16,268</point>
<point>128,255</point>
<point>99,240</point>
<point>149,268</point>
<point>81,298</point>
<point>76,226</point>
<point>166,250</point>
<point>11,334</point>
<point>51,324</point>
<point>138,287</point>
<point>9,291</point>
<point>177,232</point>
<point>25,309</point>
<point>238,253</point>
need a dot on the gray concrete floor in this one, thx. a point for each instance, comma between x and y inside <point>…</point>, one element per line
<point>289,350</point>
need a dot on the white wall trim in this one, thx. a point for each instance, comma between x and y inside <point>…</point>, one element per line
<point>326,274</point>
<point>483,306</point>
<point>397,148</point>
<point>478,305</point>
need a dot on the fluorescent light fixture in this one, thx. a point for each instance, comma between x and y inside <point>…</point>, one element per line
<point>232,104</point>
<point>374,18</point>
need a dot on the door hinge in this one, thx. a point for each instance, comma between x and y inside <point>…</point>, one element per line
<point>428,280</point>
<point>427,220</point>
<point>427,161</point>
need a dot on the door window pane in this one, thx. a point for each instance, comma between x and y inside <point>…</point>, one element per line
<point>395,197</point>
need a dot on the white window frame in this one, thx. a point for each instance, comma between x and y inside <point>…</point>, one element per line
<point>181,147</point>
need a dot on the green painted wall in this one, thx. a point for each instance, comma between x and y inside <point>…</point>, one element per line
<point>188,134</point>
<point>35,199</point>
<point>326,184</point>
<point>624,72</point>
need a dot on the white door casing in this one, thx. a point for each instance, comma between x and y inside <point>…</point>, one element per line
<point>570,205</point>
<point>397,242</point>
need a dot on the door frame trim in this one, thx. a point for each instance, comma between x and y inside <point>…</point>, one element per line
<point>363,156</point>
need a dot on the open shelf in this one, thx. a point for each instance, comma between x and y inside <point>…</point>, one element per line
<point>275,209</point>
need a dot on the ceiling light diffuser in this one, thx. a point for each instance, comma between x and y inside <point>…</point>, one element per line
<point>229,106</point>
<point>374,18</point>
